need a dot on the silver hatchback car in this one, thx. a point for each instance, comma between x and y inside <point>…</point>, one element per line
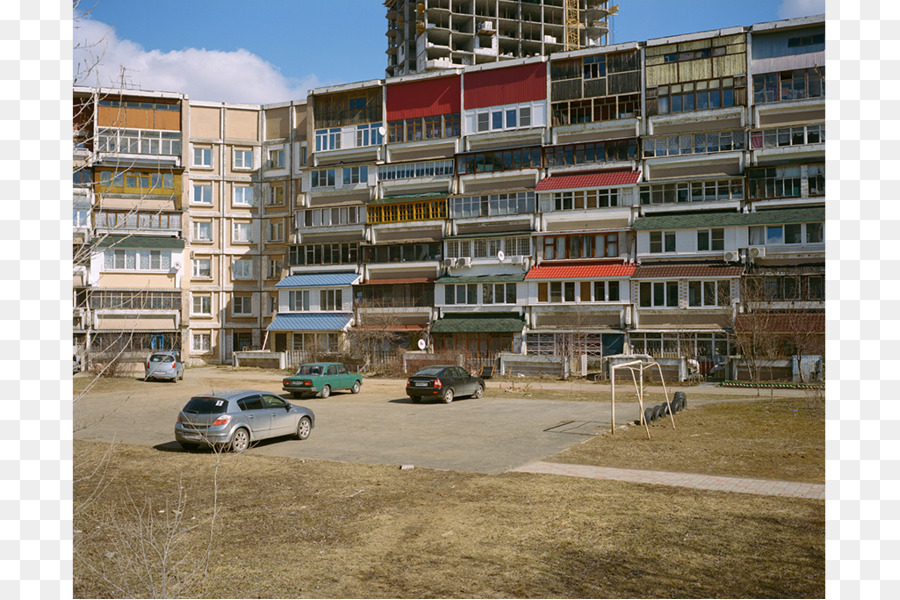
<point>233,419</point>
<point>164,365</point>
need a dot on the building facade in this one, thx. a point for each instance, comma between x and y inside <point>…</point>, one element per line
<point>662,197</point>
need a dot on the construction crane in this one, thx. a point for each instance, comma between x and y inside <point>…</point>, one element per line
<point>595,21</point>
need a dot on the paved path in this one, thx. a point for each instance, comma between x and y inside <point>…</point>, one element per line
<point>691,480</point>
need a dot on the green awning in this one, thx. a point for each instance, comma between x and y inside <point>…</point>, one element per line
<point>496,278</point>
<point>144,242</point>
<point>407,198</point>
<point>777,216</point>
<point>474,323</point>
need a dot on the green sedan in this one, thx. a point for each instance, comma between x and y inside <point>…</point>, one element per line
<point>321,379</point>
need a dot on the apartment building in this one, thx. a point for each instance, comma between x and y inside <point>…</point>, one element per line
<point>429,35</point>
<point>662,197</point>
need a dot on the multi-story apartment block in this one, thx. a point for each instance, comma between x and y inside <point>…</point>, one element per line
<point>662,197</point>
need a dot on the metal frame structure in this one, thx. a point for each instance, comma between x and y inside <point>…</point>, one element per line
<point>640,366</point>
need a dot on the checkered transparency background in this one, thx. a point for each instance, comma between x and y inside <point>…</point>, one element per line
<point>863,158</point>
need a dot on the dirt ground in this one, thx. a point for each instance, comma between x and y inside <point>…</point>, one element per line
<point>256,525</point>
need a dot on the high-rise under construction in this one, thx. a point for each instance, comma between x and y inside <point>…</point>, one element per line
<point>425,35</point>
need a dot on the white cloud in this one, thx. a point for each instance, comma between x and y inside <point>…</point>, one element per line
<point>800,8</point>
<point>202,74</point>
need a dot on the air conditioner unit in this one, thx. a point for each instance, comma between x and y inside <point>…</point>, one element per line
<point>465,261</point>
<point>449,262</point>
<point>517,260</point>
<point>757,252</point>
<point>732,256</point>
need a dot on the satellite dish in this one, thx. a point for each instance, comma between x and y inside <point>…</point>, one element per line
<point>421,344</point>
<point>382,130</point>
<point>500,255</point>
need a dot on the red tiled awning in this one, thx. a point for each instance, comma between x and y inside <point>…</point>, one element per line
<point>398,281</point>
<point>682,271</point>
<point>588,180</point>
<point>579,271</point>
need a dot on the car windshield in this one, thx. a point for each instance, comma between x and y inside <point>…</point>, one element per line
<point>309,370</point>
<point>429,372</point>
<point>206,405</point>
<point>162,358</point>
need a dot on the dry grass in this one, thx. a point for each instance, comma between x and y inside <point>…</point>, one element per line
<point>780,438</point>
<point>293,528</point>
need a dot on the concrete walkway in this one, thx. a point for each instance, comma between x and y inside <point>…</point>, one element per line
<point>763,487</point>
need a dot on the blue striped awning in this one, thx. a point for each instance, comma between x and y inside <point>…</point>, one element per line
<point>318,280</point>
<point>310,322</point>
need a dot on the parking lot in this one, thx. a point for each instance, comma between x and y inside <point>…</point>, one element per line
<point>378,426</point>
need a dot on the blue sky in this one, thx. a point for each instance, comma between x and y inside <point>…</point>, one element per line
<point>230,51</point>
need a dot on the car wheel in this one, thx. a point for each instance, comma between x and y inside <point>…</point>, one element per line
<point>478,391</point>
<point>356,386</point>
<point>326,391</point>
<point>304,426</point>
<point>240,441</point>
<point>448,396</point>
<point>181,377</point>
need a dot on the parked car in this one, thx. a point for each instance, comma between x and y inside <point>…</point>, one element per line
<point>445,382</point>
<point>164,365</point>
<point>321,379</point>
<point>233,419</point>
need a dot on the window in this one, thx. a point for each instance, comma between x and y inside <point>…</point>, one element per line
<point>369,135</point>
<point>774,182</point>
<point>241,305</point>
<point>328,139</point>
<point>604,291</point>
<point>201,342</point>
<point>592,152</point>
<point>806,40</point>
<point>789,85</point>
<point>201,268</point>
<point>412,211</point>
<point>241,232</point>
<point>330,300</point>
<point>202,157</point>
<point>709,293</point>
<point>662,241</point>
<point>323,178</point>
<point>243,159</point>
<point>437,168</point>
<point>710,239</point>
<point>581,200</point>
<point>594,67</point>
<point>794,233</point>
<point>275,231</point>
<point>324,254</point>
<point>202,193</point>
<point>202,304</point>
<point>658,294</point>
<point>81,217</point>
<point>298,301</point>
<point>697,95</point>
<point>693,191</point>
<point>242,268</point>
<point>137,260</point>
<point>788,136</point>
<point>354,175</point>
<point>498,293</point>
<point>202,231</point>
<point>243,195</point>
<point>276,159</point>
<point>556,291</point>
<point>599,245</point>
<point>461,293</point>
<point>500,160</point>
<point>697,143</point>
<point>433,127</point>
<point>274,270</point>
<point>276,195</point>
<point>384,253</point>
<point>815,233</point>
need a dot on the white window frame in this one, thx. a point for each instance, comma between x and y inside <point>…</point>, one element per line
<point>142,260</point>
<point>298,301</point>
<point>605,283</point>
<point>200,200</point>
<point>276,195</point>
<point>664,236</point>
<point>331,299</point>
<point>665,291</point>
<point>242,268</point>
<point>240,159</point>
<point>196,272</point>
<point>242,195</point>
<point>205,309</point>
<point>720,288</point>
<point>236,228</point>
<point>276,158</point>
<point>198,230</point>
<point>275,231</point>
<point>710,239</point>
<point>274,269</point>
<point>202,157</point>
<point>328,139</point>
<point>201,342</point>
